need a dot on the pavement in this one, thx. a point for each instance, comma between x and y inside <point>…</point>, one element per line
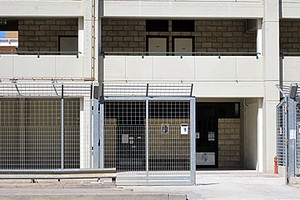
<point>222,184</point>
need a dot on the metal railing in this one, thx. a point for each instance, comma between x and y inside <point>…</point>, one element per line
<point>283,54</point>
<point>219,54</point>
<point>39,53</point>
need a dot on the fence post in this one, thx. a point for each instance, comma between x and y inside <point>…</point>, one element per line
<point>192,142</point>
<point>96,135</point>
<point>62,127</point>
<point>147,139</point>
<point>101,142</point>
<point>291,138</point>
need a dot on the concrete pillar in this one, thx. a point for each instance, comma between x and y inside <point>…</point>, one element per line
<point>271,72</point>
<point>260,136</point>
<point>89,40</point>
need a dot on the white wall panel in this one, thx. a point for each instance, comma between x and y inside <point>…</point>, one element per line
<point>190,8</point>
<point>69,66</point>
<point>142,67</point>
<point>32,66</point>
<point>290,8</point>
<point>173,68</point>
<point>43,67</point>
<point>291,69</point>
<point>215,69</point>
<point>229,76</point>
<point>6,66</point>
<point>34,8</point>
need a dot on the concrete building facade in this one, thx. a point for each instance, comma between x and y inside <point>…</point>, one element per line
<point>234,52</point>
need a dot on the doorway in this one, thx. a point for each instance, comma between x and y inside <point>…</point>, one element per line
<point>218,135</point>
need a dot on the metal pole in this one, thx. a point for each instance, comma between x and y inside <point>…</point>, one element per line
<point>62,126</point>
<point>91,129</point>
<point>192,141</point>
<point>291,137</point>
<point>101,132</point>
<point>96,132</point>
<point>147,139</point>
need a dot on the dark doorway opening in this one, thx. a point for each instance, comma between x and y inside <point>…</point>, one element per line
<point>208,117</point>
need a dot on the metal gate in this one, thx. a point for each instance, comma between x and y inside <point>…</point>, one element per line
<point>288,130</point>
<point>150,140</point>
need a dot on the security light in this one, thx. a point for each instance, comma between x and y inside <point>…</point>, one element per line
<point>293,90</point>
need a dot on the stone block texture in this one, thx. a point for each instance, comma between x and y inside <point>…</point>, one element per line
<point>289,36</point>
<point>229,143</point>
<point>43,34</point>
<point>129,35</point>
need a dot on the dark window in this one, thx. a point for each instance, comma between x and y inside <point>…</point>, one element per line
<point>157,25</point>
<point>8,25</point>
<point>183,25</point>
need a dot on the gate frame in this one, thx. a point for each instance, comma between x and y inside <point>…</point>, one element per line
<point>289,102</point>
<point>146,99</point>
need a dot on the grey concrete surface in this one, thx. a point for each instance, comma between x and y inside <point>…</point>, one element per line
<point>233,185</point>
<point>210,185</point>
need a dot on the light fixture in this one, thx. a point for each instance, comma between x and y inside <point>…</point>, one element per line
<point>293,90</point>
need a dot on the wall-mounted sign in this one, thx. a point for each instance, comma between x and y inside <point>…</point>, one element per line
<point>211,136</point>
<point>165,128</point>
<point>125,138</point>
<point>184,129</point>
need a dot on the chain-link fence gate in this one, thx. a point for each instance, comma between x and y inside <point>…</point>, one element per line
<point>288,131</point>
<point>150,140</point>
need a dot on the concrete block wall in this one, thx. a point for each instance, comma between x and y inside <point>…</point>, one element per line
<point>129,35</point>
<point>229,143</point>
<point>289,36</point>
<point>43,34</point>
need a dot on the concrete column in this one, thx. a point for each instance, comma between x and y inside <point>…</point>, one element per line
<point>271,71</point>
<point>260,136</point>
<point>88,47</point>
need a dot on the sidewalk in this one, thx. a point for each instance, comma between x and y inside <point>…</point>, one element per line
<point>239,184</point>
<point>210,185</point>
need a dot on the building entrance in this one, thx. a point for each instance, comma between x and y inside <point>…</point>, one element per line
<point>218,135</point>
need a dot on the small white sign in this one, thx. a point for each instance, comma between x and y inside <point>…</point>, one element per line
<point>124,138</point>
<point>184,129</point>
<point>292,134</point>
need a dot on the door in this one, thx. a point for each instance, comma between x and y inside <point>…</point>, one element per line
<point>207,142</point>
<point>157,44</point>
<point>183,44</point>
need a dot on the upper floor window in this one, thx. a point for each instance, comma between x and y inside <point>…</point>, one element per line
<point>183,25</point>
<point>157,25</point>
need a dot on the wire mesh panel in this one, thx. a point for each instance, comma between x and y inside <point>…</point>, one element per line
<point>169,147</point>
<point>30,133</point>
<point>281,133</point>
<point>298,137</point>
<point>148,141</point>
<point>125,135</point>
